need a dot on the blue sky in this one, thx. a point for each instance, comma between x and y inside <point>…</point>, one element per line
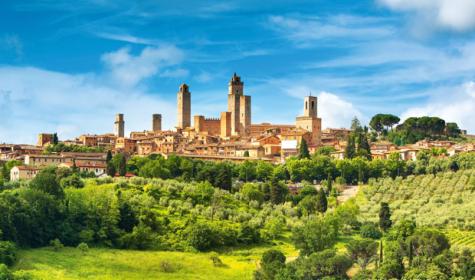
<point>69,67</point>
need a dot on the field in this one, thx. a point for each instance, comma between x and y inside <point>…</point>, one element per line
<point>445,201</point>
<point>99,263</point>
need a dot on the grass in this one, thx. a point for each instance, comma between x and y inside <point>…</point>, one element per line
<point>100,263</point>
<point>461,239</point>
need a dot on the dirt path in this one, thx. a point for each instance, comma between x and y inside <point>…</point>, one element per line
<point>349,192</point>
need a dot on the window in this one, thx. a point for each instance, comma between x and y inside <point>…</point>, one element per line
<point>306,105</point>
<point>313,105</point>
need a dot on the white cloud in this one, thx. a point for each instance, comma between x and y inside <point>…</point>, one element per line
<point>13,43</point>
<point>456,104</point>
<point>457,15</point>
<point>175,73</point>
<point>303,30</point>
<point>34,100</point>
<point>128,70</point>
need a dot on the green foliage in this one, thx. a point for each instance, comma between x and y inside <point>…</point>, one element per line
<point>303,150</point>
<point>428,243</point>
<point>61,147</point>
<point>83,247</point>
<point>56,244</point>
<point>72,181</point>
<point>363,251</point>
<point>320,265</point>
<point>8,253</point>
<point>5,273</point>
<point>370,230</point>
<point>272,261</point>
<point>47,182</point>
<point>382,122</point>
<point>385,217</point>
<point>321,201</point>
<point>316,234</point>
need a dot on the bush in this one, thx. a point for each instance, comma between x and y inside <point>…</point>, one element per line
<point>7,253</point>
<point>56,244</point>
<point>167,266</point>
<point>216,260</point>
<point>5,273</point>
<point>22,275</point>
<point>370,230</point>
<point>83,247</point>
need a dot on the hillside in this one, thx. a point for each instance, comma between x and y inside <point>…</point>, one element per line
<point>446,200</point>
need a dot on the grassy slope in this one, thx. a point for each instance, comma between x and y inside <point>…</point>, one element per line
<point>70,263</point>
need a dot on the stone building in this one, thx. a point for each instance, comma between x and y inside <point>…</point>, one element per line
<point>310,120</point>
<point>119,125</point>
<point>210,126</point>
<point>156,122</point>
<point>184,107</point>
<point>45,139</point>
<point>239,105</point>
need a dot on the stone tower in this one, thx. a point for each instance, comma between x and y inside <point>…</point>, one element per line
<point>239,106</point>
<point>119,125</point>
<point>156,122</point>
<point>310,106</point>
<point>310,120</point>
<point>184,107</point>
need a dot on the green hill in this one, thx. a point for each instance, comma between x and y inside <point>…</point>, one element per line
<point>446,200</point>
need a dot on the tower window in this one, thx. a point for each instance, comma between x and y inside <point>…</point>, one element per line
<point>306,105</point>
<point>313,105</point>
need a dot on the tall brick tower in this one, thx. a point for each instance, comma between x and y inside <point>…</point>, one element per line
<point>184,107</point>
<point>310,120</point>
<point>119,125</point>
<point>156,122</point>
<point>239,106</point>
<point>235,91</point>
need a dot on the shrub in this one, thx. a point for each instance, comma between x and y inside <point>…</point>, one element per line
<point>5,273</point>
<point>216,260</point>
<point>83,247</point>
<point>167,266</point>
<point>7,253</point>
<point>370,230</point>
<point>22,275</point>
<point>56,244</point>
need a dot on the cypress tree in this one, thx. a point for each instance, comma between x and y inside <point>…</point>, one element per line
<point>122,165</point>
<point>329,183</point>
<point>322,203</point>
<point>350,150</point>
<point>385,217</point>
<point>109,156</point>
<point>55,139</point>
<point>303,150</point>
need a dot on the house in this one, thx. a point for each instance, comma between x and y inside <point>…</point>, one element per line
<point>23,172</point>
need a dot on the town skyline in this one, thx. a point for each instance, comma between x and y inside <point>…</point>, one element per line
<point>360,59</point>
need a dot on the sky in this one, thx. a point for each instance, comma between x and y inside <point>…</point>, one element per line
<point>70,66</point>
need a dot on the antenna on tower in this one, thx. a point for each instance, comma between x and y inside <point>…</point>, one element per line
<point>310,93</point>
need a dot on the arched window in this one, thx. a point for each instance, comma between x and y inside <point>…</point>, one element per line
<point>306,105</point>
<point>313,105</point>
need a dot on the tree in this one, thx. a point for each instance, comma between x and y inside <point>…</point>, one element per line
<point>122,168</point>
<point>55,139</point>
<point>108,156</point>
<point>363,251</point>
<point>303,150</point>
<point>110,169</point>
<point>271,262</point>
<point>356,125</point>
<point>326,264</point>
<point>364,150</point>
<point>278,192</point>
<point>350,150</point>
<point>315,235</point>
<point>321,200</point>
<point>385,217</point>
<point>428,243</point>
<point>8,254</point>
<point>453,130</point>
<point>46,181</point>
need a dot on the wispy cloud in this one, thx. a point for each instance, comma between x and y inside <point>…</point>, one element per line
<point>455,15</point>
<point>13,43</point>
<point>127,70</point>
<point>304,30</point>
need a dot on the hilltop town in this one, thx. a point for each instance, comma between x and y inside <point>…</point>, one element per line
<point>231,137</point>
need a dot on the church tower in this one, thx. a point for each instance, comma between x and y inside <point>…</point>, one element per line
<point>184,107</point>
<point>310,120</point>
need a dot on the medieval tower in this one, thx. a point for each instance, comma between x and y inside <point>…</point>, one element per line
<point>310,120</point>
<point>119,125</point>
<point>239,106</point>
<point>184,107</point>
<point>156,122</point>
